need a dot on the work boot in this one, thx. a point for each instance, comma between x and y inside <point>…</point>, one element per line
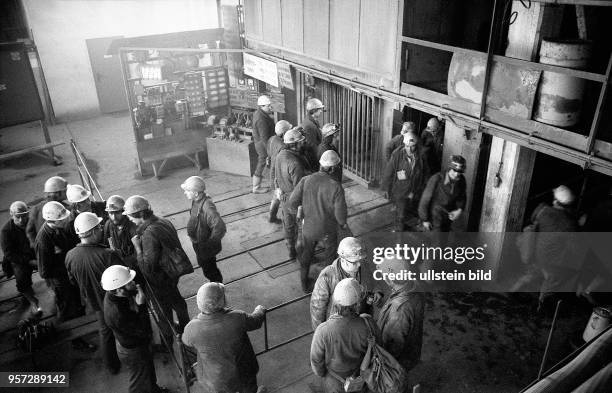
<point>274,205</point>
<point>257,188</point>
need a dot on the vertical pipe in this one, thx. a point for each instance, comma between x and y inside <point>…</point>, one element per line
<point>369,138</point>
<point>362,134</point>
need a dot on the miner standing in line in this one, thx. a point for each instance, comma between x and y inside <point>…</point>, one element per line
<point>444,197</point>
<point>331,139</point>
<point>52,244</point>
<point>398,140</point>
<point>401,317</point>
<point>152,235</point>
<point>351,263</point>
<point>125,312</point>
<point>404,179</point>
<point>226,360</point>
<point>340,343</point>
<point>205,227</point>
<point>290,168</point>
<point>324,211</point>
<point>85,265</point>
<point>19,253</point>
<point>263,129</point>
<point>312,131</point>
<point>55,190</point>
<point>118,233</point>
<point>275,145</point>
<point>432,141</point>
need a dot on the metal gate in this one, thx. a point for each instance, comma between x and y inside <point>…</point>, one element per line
<point>360,117</point>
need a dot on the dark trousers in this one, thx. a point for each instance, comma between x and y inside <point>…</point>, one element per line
<point>330,246</point>
<point>208,265</point>
<point>141,369</point>
<point>169,298</point>
<point>289,223</point>
<point>405,208</point>
<point>262,154</point>
<point>67,298</point>
<point>107,344</point>
<point>440,220</point>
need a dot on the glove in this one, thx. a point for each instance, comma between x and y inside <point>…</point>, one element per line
<point>268,161</point>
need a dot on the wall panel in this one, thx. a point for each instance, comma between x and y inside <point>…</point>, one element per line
<point>344,31</point>
<point>252,19</point>
<point>378,35</point>
<point>316,28</point>
<point>271,21</point>
<point>292,12</point>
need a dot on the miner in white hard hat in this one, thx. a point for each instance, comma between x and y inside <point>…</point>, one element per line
<point>340,343</point>
<point>352,262</point>
<point>275,145</point>
<point>290,167</point>
<point>119,231</point>
<point>233,369</point>
<point>19,256</point>
<point>81,201</point>
<point>52,244</point>
<point>205,227</point>
<point>54,190</point>
<point>400,318</point>
<point>312,130</point>
<point>85,264</point>
<point>263,129</point>
<point>126,314</point>
<point>398,140</point>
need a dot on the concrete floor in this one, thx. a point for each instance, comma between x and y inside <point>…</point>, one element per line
<point>472,343</point>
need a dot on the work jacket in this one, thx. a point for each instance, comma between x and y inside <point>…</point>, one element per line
<point>129,321</point>
<point>155,234</point>
<point>263,127</point>
<point>290,168</point>
<point>85,264</point>
<point>441,196</point>
<point>323,203</point>
<point>401,325</point>
<point>225,355</point>
<point>321,305</point>
<point>339,344</point>
<point>15,244</point>
<point>312,132</point>
<point>36,220</point>
<point>395,143</point>
<point>205,227</point>
<point>121,236</point>
<point>51,246</point>
<point>432,147</point>
<point>415,172</point>
<point>275,145</point>
<point>553,248</point>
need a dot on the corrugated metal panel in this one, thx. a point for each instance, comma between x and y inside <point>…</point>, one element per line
<point>252,18</point>
<point>378,35</point>
<point>293,24</point>
<point>344,31</point>
<point>271,21</point>
<point>316,28</point>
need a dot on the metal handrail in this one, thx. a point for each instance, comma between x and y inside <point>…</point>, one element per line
<point>90,183</point>
<point>267,347</point>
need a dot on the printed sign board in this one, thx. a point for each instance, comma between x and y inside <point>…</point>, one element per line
<point>284,75</point>
<point>261,69</point>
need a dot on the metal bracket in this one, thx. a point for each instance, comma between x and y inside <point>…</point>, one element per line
<point>587,163</point>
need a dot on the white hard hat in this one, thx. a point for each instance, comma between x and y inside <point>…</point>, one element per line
<point>352,249</point>
<point>564,195</point>
<point>329,158</point>
<point>410,134</point>
<point>55,184</point>
<point>18,208</point>
<point>85,222</point>
<point>194,183</point>
<point>135,204</point>
<point>211,297</point>
<point>54,211</point>
<point>76,193</point>
<point>263,100</point>
<point>314,103</point>
<point>116,276</point>
<point>347,292</point>
<point>281,127</point>
<point>114,203</point>
<point>407,127</point>
<point>294,135</point>
<point>433,123</point>
<point>329,129</point>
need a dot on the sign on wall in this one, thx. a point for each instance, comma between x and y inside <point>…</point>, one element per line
<point>284,76</point>
<point>261,69</point>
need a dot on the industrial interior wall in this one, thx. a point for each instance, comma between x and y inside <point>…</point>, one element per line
<point>61,27</point>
